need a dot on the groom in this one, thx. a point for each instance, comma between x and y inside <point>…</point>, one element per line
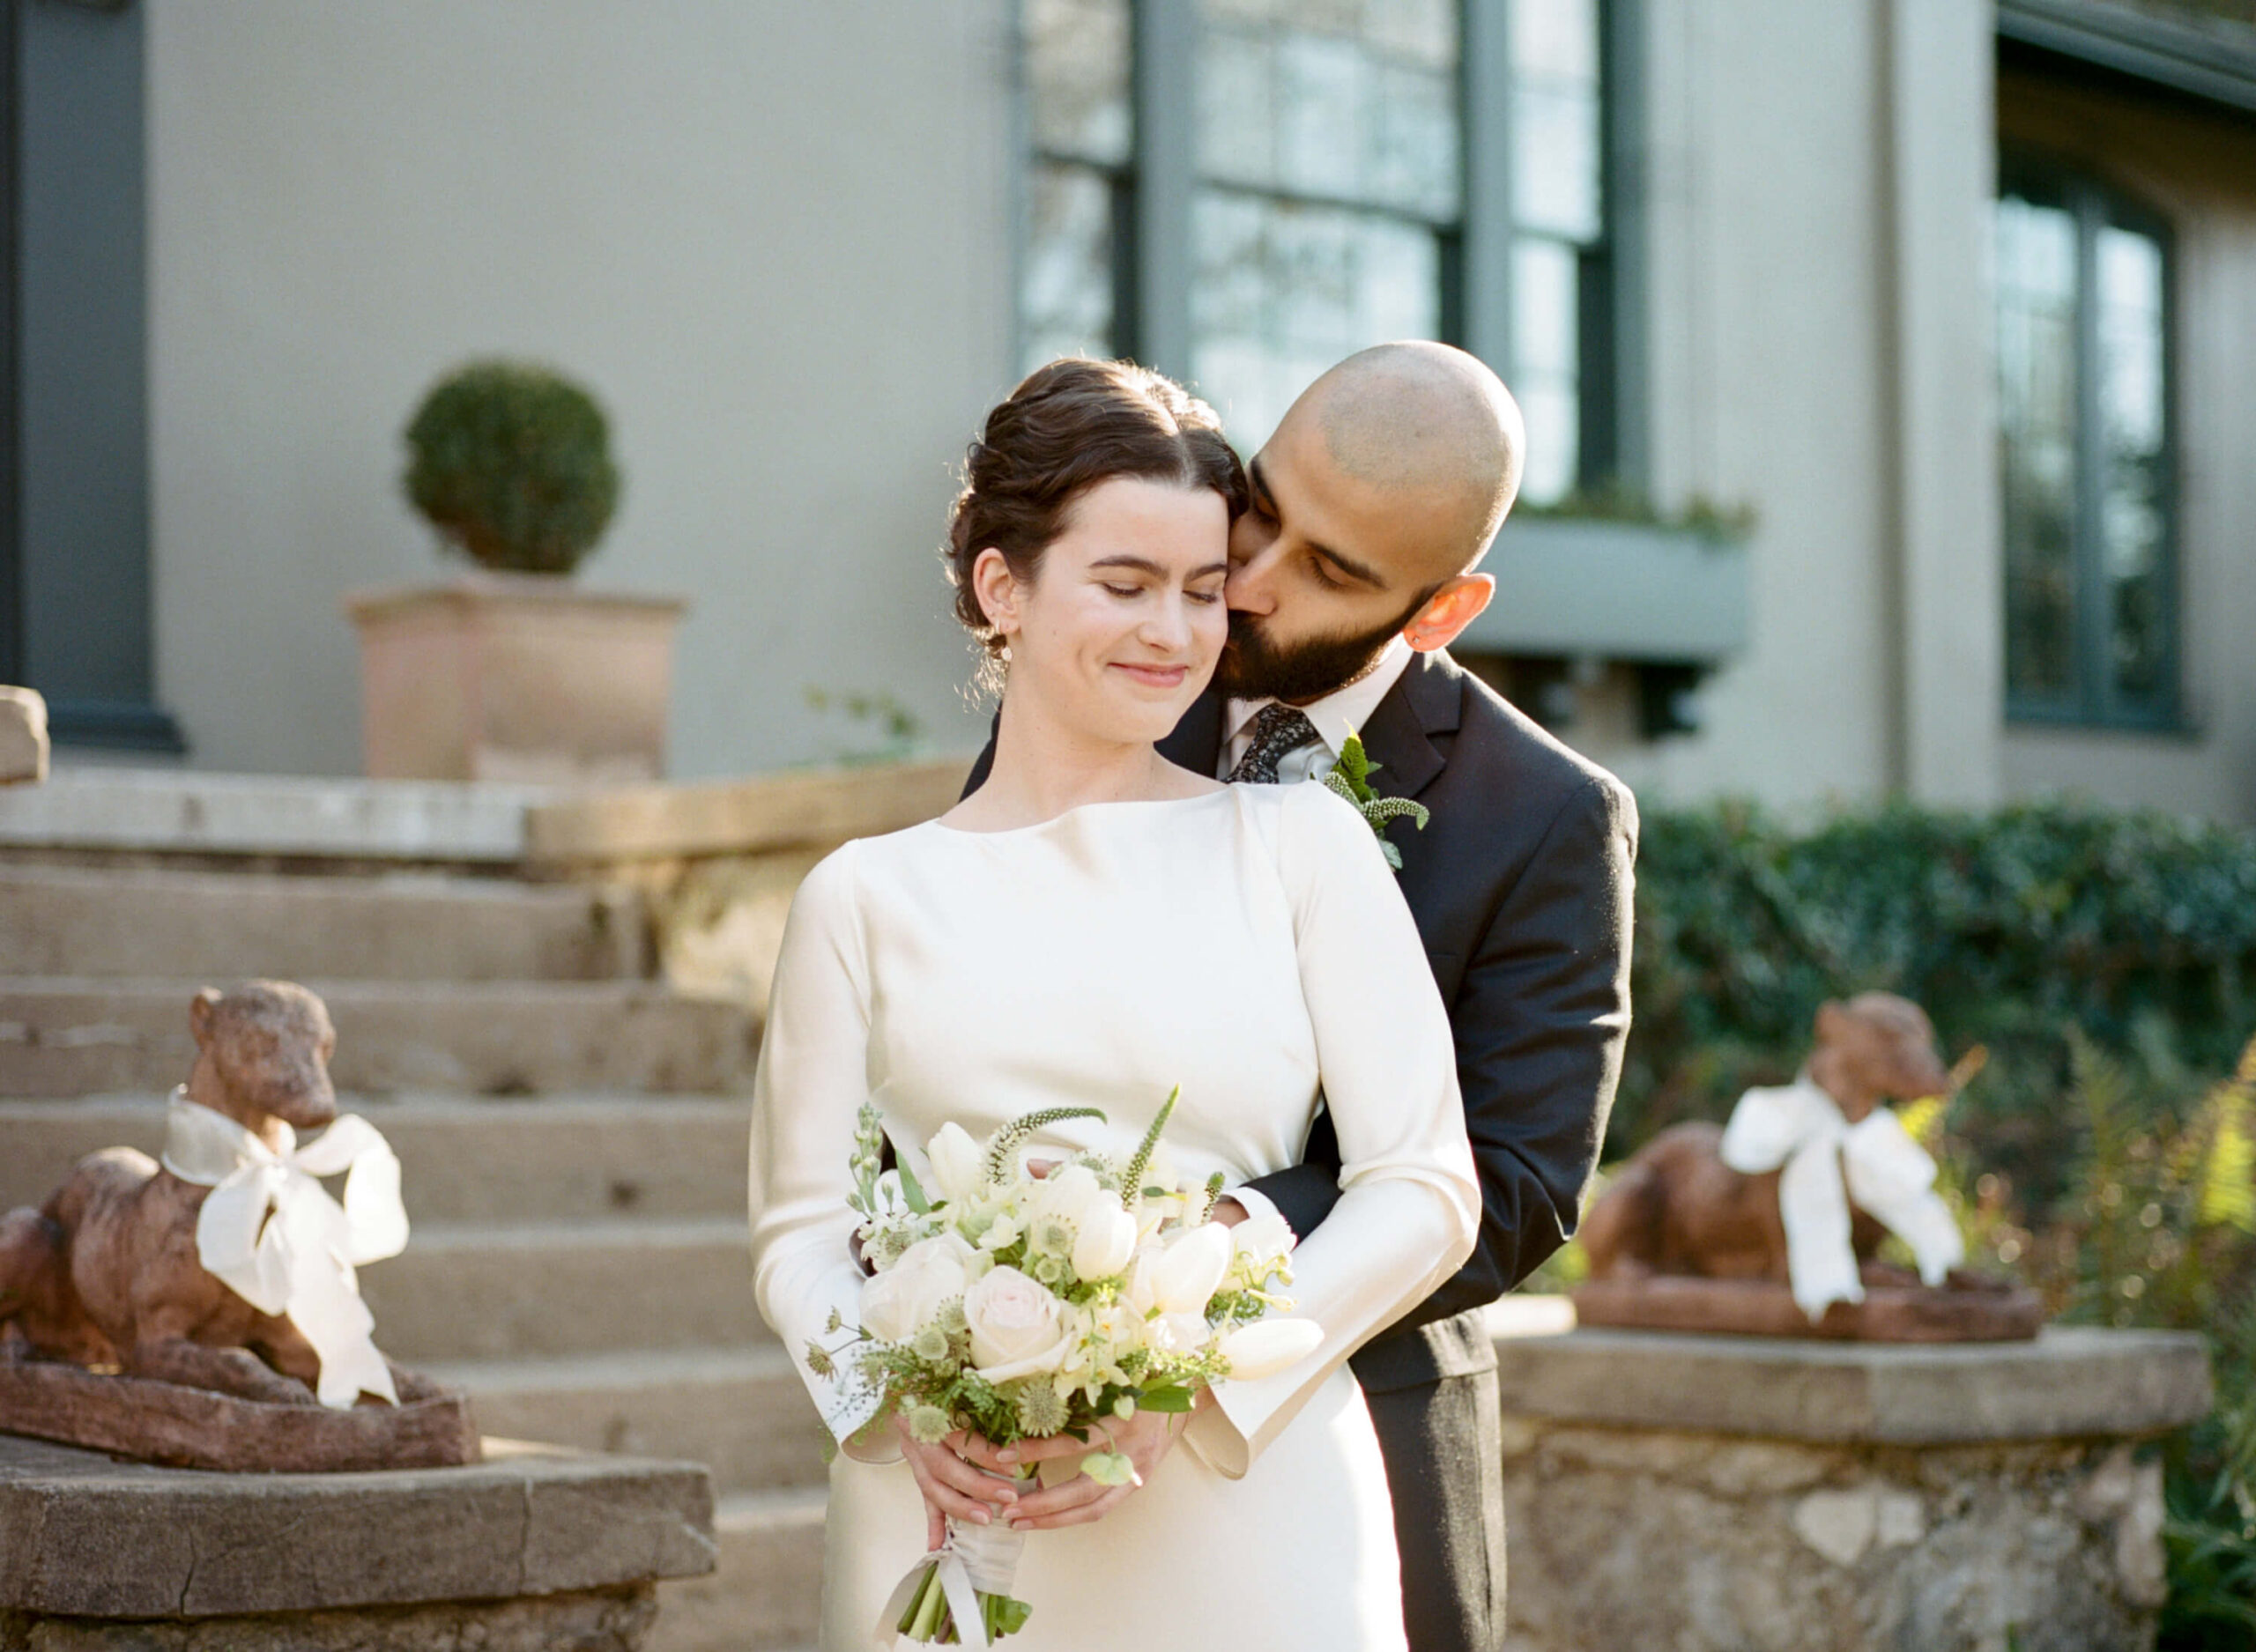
<point>1350,575</point>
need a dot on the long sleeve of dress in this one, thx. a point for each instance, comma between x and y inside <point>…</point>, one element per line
<point>812,1082</point>
<point>1409,1208</point>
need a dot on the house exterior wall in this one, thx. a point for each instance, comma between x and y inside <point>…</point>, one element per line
<point>2200,172</point>
<point>774,238</point>
<point>1818,180</point>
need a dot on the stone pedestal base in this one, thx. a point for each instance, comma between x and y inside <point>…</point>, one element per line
<point>533,1550</point>
<point>1678,1490</point>
<point>590,1620</point>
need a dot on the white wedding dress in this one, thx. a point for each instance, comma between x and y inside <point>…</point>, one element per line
<point>1249,945</point>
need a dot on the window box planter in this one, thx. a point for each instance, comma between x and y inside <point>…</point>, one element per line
<point>1639,592</point>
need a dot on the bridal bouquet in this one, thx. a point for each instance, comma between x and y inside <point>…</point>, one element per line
<point>1021,1306</point>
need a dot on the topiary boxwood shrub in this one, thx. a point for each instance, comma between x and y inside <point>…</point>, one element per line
<point>2013,928</point>
<point>511,462</point>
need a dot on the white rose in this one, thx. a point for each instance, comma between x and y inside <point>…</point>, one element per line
<point>1187,1272</point>
<point>1104,1241</point>
<point>1269,1345</point>
<point>958,1168</point>
<point>1016,1327</point>
<point>899,1303</point>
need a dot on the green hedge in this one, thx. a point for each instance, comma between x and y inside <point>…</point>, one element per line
<point>2011,929</point>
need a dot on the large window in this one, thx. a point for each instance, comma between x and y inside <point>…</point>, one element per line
<point>1243,191</point>
<point>2086,453</point>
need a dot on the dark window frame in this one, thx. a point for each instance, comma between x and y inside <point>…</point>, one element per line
<point>2094,702</point>
<point>1151,240</point>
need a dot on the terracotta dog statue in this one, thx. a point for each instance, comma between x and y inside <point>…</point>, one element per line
<point>1679,1207</point>
<point>111,1271</point>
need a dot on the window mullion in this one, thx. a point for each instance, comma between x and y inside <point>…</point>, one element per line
<point>1167,139</point>
<point>1487,67</point>
<point>2095,694</point>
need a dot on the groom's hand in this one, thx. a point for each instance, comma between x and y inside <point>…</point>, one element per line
<point>951,1483</point>
<point>1144,1439</point>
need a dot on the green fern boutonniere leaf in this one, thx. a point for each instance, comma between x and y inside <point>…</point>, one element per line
<point>1351,778</point>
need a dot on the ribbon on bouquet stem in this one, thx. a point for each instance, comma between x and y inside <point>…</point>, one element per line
<point>972,1561</point>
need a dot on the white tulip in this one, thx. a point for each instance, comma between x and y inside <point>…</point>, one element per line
<point>1105,1241</point>
<point>1269,1345</point>
<point>958,1168</point>
<point>1185,1277</point>
<point>1016,1327</point>
<point>901,1301</point>
<point>1263,1236</point>
<point>1070,1193</point>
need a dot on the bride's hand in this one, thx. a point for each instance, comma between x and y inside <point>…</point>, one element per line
<point>950,1484</point>
<point>1144,1439</point>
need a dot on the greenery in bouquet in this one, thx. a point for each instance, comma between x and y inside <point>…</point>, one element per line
<point>1018,1305</point>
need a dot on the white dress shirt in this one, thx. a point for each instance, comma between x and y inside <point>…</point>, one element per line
<point>1337,715</point>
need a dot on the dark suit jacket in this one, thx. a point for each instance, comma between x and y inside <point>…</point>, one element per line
<point>1520,886</point>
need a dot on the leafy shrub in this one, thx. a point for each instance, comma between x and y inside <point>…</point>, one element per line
<point>2159,1229</point>
<point>512,463</point>
<point>2014,930</point>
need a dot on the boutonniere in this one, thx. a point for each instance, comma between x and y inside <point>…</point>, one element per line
<point>1351,778</point>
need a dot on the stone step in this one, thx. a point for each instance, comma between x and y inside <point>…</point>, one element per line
<point>742,1412</point>
<point>462,1158</point>
<point>765,1593</point>
<point>71,1036</point>
<point>474,1292</point>
<point>228,926</point>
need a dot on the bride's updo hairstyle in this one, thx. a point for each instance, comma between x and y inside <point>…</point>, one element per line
<point>1068,426</point>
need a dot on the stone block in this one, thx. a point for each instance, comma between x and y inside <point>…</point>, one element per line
<point>741,817</point>
<point>464,1159</point>
<point>84,1537</point>
<point>480,1292</point>
<point>591,1620</point>
<point>140,922</point>
<point>2072,1381</point>
<point>69,1036</point>
<point>1715,1492</point>
<point>23,737</point>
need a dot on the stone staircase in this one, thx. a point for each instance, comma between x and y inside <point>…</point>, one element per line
<point>571,1129</point>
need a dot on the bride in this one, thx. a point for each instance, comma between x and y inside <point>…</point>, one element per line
<point>1092,927</point>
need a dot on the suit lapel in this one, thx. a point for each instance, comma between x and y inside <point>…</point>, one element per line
<point>1195,743</point>
<point>1399,735</point>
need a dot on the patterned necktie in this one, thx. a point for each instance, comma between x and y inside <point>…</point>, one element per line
<point>1277,729</point>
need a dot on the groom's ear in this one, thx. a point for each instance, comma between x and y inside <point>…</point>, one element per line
<point>1447,612</point>
<point>996,591</point>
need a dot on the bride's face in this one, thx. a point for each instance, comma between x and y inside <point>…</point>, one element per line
<point>1121,626</point>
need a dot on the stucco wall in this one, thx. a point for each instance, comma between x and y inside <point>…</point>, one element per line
<point>2200,173</point>
<point>1818,180</point>
<point>774,238</point>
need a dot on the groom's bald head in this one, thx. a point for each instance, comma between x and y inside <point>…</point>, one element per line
<point>1428,421</point>
<point>1380,489</point>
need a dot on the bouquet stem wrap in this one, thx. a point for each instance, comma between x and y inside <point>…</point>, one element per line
<point>948,1587</point>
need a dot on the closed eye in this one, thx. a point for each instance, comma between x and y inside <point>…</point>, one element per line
<point>1326,579</point>
<point>1125,591</point>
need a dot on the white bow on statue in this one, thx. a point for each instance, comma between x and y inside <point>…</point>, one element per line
<point>270,1231</point>
<point>1828,1163</point>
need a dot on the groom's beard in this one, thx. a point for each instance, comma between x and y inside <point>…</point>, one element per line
<point>1252,668</point>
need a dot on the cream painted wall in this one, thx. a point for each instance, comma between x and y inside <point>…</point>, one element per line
<point>774,237</point>
<point>2200,172</point>
<point>1769,385</point>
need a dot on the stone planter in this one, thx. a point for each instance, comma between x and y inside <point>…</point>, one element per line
<point>1680,1491</point>
<point>516,677</point>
